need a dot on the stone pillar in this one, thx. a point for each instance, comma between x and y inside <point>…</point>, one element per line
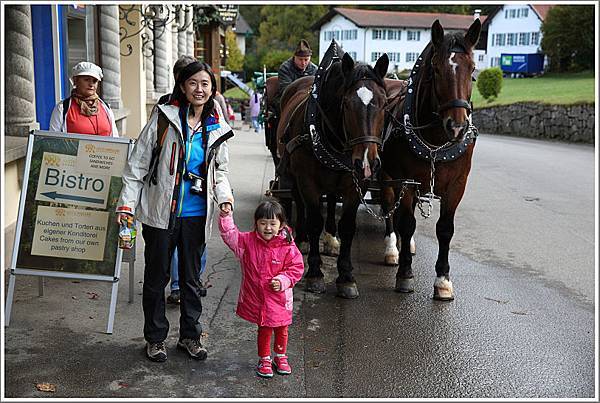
<point>174,43</point>
<point>19,79</point>
<point>110,55</point>
<point>190,33</point>
<point>161,64</point>
<point>182,36</point>
<point>147,46</point>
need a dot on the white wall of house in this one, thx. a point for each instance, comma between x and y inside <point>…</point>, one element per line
<point>343,29</point>
<point>240,40</point>
<point>513,29</point>
<point>403,45</point>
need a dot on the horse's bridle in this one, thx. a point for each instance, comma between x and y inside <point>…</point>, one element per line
<point>454,103</point>
<point>349,143</point>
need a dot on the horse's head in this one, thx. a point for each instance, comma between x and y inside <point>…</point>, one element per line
<point>452,64</point>
<point>363,103</point>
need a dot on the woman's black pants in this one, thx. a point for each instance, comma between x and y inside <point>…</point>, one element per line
<point>187,234</point>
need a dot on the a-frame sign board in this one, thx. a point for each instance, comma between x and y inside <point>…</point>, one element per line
<point>66,225</point>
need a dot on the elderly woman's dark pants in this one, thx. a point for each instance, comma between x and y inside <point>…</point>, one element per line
<point>188,236</point>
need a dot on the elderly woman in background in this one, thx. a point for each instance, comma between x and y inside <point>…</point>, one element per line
<point>84,112</point>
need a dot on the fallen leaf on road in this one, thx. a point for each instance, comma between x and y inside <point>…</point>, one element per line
<point>92,295</point>
<point>73,297</point>
<point>46,387</point>
<point>320,350</point>
<point>204,334</point>
<point>496,300</point>
<point>519,312</point>
<point>123,385</point>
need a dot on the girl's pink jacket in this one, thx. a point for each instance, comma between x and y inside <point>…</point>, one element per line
<point>262,261</point>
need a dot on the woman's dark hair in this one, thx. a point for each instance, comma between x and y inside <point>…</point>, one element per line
<point>184,75</point>
<point>269,210</point>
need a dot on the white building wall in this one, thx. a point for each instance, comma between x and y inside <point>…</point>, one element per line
<point>397,49</point>
<point>339,23</point>
<point>502,25</point>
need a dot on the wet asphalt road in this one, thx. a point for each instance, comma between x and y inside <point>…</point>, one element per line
<point>521,326</point>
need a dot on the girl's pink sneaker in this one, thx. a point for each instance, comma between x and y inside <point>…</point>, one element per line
<point>264,368</point>
<point>280,362</point>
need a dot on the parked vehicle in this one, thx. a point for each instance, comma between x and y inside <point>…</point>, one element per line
<point>522,65</point>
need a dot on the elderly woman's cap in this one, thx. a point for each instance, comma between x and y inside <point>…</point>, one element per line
<point>87,69</point>
<point>303,49</point>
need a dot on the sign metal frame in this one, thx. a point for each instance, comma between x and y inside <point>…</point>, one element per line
<point>14,270</point>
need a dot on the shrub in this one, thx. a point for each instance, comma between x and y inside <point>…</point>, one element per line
<point>489,83</point>
<point>273,59</point>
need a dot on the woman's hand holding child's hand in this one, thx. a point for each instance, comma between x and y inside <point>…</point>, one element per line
<point>225,209</point>
<point>275,285</point>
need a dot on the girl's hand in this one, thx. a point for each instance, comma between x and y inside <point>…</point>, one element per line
<point>123,218</point>
<point>276,285</point>
<point>225,209</point>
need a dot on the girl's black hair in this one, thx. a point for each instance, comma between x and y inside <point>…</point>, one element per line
<point>270,209</point>
<point>184,75</point>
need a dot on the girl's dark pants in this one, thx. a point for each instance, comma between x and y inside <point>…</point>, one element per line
<point>188,235</point>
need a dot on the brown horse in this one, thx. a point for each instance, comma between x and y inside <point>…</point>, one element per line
<point>331,244</point>
<point>351,104</point>
<point>431,141</point>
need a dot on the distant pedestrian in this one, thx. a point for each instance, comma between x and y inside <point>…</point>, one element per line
<point>255,99</point>
<point>271,266</point>
<point>83,112</point>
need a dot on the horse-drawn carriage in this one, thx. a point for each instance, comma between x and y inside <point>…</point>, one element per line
<point>350,130</point>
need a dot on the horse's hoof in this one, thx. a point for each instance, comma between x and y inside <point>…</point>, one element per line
<point>405,285</point>
<point>315,285</point>
<point>443,290</point>
<point>303,247</point>
<point>347,290</point>
<point>331,245</point>
<point>391,260</point>
<point>413,246</point>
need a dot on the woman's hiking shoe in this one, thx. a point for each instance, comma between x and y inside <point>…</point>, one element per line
<point>264,368</point>
<point>174,298</point>
<point>156,352</point>
<point>280,362</point>
<point>194,348</point>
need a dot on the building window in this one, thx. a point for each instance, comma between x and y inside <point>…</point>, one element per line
<point>393,35</point>
<point>413,35</point>
<point>512,13</point>
<point>80,39</point>
<point>349,34</point>
<point>480,58</point>
<point>352,55</point>
<point>524,12</point>
<point>535,38</point>
<point>524,38</point>
<point>511,39</point>
<point>395,56</point>
<point>378,34</point>
<point>375,56</point>
<point>495,61</point>
<point>411,57</point>
<point>500,40</point>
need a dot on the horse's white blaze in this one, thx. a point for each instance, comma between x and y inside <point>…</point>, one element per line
<point>365,95</point>
<point>443,287</point>
<point>366,166</point>
<point>452,63</point>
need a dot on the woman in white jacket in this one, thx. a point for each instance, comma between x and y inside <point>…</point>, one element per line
<point>84,112</point>
<point>177,169</point>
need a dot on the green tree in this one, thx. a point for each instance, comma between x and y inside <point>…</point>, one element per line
<point>568,38</point>
<point>489,83</point>
<point>282,27</point>
<point>274,58</point>
<point>235,59</point>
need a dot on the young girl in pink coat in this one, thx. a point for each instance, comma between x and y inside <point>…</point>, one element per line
<point>271,266</point>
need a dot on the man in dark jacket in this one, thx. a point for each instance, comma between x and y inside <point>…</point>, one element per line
<point>295,67</point>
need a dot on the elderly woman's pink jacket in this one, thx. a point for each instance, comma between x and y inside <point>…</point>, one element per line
<point>262,261</point>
